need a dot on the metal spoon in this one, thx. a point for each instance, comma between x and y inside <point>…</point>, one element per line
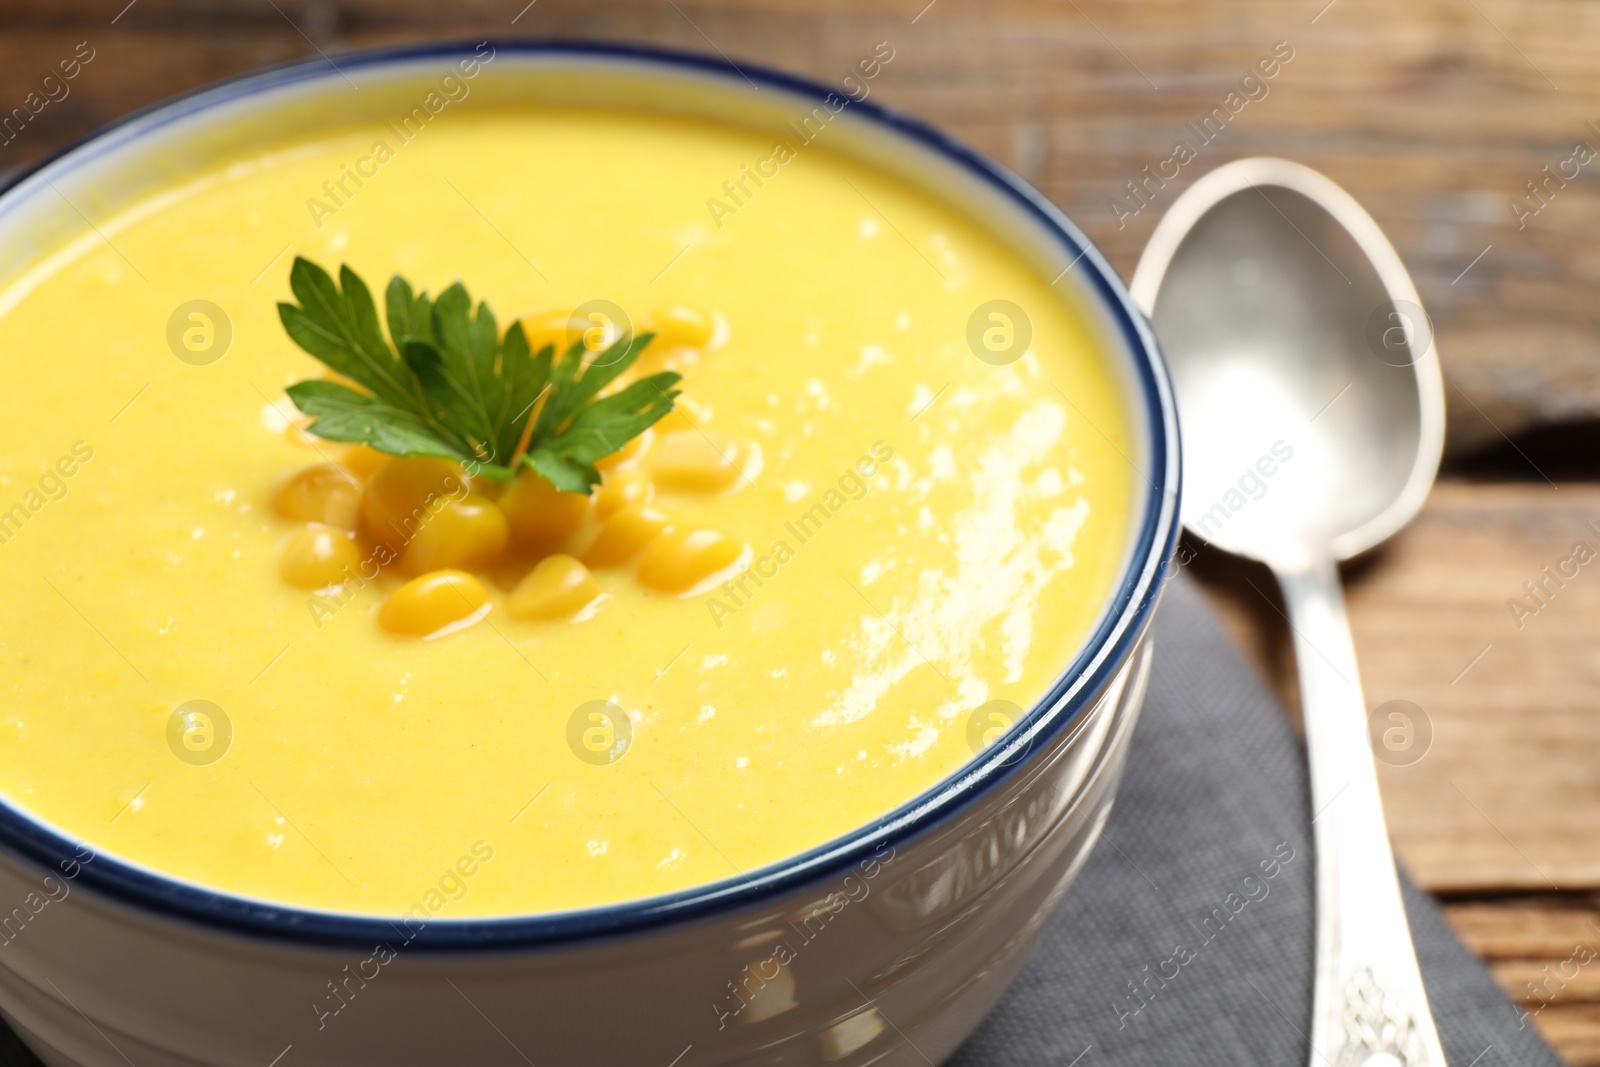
<point>1313,420</point>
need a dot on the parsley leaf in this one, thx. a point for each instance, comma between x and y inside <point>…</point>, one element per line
<point>446,382</point>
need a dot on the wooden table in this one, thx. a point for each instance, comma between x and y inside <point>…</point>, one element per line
<point>1435,114</point>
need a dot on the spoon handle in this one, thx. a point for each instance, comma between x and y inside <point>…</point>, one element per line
<point>1369,1006</point>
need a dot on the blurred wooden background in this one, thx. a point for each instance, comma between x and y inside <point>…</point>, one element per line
<point>1436,114</point>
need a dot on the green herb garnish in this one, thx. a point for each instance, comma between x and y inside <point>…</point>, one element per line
<point>445,383</point>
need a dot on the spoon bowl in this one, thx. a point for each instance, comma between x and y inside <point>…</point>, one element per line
<point>1309,388</point>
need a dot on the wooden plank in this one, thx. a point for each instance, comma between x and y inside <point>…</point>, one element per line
<point>1509,796</point>
<point>1543,983</point>
<point>1574,1031</point>
<point>1544,951</point>
<point>1519,928</point>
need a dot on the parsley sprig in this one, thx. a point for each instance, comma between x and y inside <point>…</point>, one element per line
<point>446,383</point>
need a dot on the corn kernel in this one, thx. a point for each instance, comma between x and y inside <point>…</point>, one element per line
<point>318,556</point>
<point>467,534</point>
<point>362,461</point>
<point>558,588</point>
<point>628,453</point>
<point>401,495</point>
<point>625,534</point>
<point>696,462</point>
<point>598,330</point>
<point>296,433</point>
<point>673,358</point>
<point>426,605</point>
<point>548,328</point>
<point>324,493</point>
<point>621,490</point>
<point>541,516</point>
<point>562,329</point>
<point>681,559</point>
<point>679,325</point>
<point>485,486</point>
<point>687,415</point>
<point>508,573</point>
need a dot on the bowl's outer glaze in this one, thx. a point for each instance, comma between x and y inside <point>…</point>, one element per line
<point>885,947</point>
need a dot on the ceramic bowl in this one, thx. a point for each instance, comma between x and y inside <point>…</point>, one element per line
<point>885,946</point>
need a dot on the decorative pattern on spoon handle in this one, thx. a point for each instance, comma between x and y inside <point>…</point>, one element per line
<point>1377,1025</point>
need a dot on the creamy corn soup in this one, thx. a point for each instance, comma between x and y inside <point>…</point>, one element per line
<point>797,602</point>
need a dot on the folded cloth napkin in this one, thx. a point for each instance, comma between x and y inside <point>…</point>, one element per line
<point>1177,899</point>
<point>1205,874</point>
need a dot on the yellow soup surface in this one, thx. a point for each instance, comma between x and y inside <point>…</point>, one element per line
<point>927,531</point>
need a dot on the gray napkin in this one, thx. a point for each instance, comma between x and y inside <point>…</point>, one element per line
<point>1215,787</point>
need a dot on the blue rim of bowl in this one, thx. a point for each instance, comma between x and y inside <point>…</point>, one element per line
<point>1091,670</point>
